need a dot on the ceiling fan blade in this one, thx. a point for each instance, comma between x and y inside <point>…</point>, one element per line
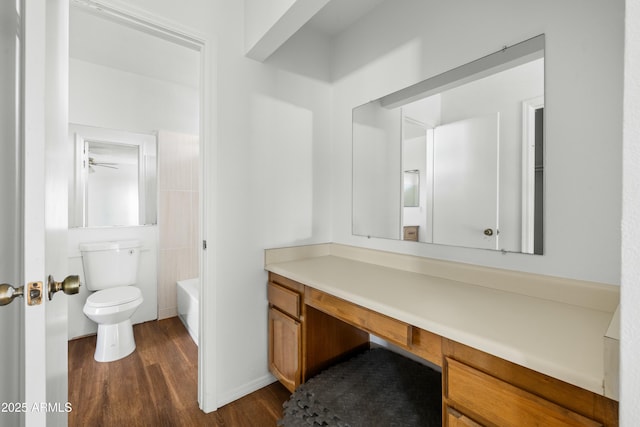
<point>92,162</point>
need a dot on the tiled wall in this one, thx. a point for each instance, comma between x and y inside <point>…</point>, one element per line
<point>178,216</point>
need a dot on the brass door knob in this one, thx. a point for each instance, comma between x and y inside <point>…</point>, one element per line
<point>8,293</point>
<point>488,232</point>
<point>70,286</point>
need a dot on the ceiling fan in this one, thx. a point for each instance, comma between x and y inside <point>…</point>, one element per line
<point>93,162</point>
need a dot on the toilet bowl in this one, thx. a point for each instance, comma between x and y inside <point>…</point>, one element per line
<point>112,309</point>
<point>110,270</point>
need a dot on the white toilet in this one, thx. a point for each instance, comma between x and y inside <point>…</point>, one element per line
<point>111,269</point>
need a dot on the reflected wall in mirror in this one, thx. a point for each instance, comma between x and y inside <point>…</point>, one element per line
<point>115,178</point>
<point>411,195</point>
<point>473,139</point>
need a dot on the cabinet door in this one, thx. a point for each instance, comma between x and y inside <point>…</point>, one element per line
<point>285,348</point>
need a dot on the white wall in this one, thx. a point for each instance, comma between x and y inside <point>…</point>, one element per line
<point>115,99</point>
<point>630,344</point>
<point>273,161</point>
<point>268,170</point>
<point>405,41</point>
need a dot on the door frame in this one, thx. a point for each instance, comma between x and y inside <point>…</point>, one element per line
<point>33,379</point>
<point>169,30</point>
<point>529,107</point>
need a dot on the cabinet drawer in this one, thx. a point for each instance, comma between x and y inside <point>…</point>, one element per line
<point>501,403</point>
<point>285,299</point>
<point>378,324</point>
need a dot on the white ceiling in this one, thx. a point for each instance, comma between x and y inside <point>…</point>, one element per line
<point>98,39</point>
<point>338,15</point>
<point>102,41</point>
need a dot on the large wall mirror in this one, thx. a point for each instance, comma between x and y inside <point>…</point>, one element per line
<point>115,178</point>
<point>457,157</point>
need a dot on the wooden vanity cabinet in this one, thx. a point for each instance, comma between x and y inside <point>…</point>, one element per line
<point>302,340</point>
<point>285,330</point>
<point>309,330</point>
<point>483,390</point>
<point>385,327</point>
<point>453,418</point>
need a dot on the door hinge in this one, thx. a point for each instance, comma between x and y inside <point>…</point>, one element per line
<point>204,244</point>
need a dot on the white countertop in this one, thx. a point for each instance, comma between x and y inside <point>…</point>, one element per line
<point>555,338</point>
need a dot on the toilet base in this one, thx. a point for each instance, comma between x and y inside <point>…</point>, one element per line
<point>114,341</point>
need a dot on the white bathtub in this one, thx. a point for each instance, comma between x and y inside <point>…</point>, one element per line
<point>188,296</point>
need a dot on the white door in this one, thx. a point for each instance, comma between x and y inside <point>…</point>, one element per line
<point>9,221</point>
<point>35,226</point>
<point>465,183</point>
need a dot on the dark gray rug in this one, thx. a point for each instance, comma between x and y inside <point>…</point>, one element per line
<point>375,388</point>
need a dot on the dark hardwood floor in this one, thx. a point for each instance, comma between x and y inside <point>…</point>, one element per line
<point>156,385</point>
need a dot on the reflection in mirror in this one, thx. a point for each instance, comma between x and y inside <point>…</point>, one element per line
<point>111,193</point>
<point>412,189</point>
<point>458,157</point>
<point>114,178</point>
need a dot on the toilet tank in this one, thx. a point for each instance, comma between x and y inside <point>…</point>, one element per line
<point>110,264</point>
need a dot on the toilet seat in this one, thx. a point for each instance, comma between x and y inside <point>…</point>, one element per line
<point>113,297</point>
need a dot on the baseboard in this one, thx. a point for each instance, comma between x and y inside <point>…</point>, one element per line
<point>165,313</point>
<point>245,389</point>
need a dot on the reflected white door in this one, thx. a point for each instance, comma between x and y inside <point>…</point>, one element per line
<point>35,188</point>
<point>465,199</point>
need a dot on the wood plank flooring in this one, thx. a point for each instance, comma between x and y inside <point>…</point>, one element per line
<point>156,385</point>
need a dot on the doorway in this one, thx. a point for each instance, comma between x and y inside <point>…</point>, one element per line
<point>129,74</point>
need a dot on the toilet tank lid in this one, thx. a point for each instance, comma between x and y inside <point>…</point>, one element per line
<point>109,246</point>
